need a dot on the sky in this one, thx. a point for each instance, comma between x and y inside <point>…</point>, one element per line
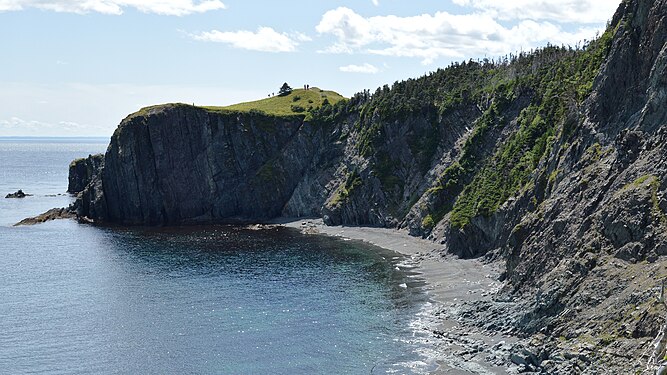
<point>78,67</point>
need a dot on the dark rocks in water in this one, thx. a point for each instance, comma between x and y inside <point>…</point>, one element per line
<point>18,194</point>
<point>82,171</point>
<point>52,214</point>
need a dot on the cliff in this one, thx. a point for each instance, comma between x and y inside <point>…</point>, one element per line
<point>82,171</point>
<point>553,162</point>
<point>176,164</point>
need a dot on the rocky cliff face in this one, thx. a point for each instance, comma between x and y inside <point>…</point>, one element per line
<point>554,162</point>
<point>584,241</point>
<point>82,171</point>
<point>176,164</point>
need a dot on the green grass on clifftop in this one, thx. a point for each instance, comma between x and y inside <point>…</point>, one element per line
<point>298,102</point>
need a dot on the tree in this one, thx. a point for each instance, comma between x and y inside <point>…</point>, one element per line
<point>285,89</point>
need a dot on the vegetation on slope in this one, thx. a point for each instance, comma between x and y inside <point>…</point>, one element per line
<point>298,103</point>
<point>560,88</point>
<point>542,90</point>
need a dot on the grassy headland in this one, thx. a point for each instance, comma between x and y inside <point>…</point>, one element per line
<point>298,102</point>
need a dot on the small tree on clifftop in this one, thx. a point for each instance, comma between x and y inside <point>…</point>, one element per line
<point>285,89</point>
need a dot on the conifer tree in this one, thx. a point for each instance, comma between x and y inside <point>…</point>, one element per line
<point>285,89</point>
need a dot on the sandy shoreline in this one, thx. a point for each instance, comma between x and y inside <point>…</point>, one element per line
<point>449,282</point>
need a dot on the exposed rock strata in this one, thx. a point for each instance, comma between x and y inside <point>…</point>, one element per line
<point>82,171</point>
<point>178,164</point>
<point>52,214</point>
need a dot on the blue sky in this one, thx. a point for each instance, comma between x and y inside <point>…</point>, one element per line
<point>76,68</point>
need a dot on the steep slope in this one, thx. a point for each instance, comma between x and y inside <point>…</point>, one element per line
<point>82,171</point>
<point>177,164</point>
<point>584,239</point>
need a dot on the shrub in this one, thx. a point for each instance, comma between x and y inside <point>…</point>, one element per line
<point>297,108</point>
<point>428,222</point>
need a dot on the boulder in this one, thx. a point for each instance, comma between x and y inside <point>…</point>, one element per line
<point>18,194</point>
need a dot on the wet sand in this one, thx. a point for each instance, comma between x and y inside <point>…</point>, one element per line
<point>449,282</point>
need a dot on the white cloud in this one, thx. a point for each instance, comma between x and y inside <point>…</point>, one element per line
<point>442,34</point>
<point>301,37</point>
<point>265,39</point>
<point>376,2</point>
<point>9,5</point>
<point>560,11</point>
<point>16,126</point>
<point>116,7</point>
<point>364,68</point>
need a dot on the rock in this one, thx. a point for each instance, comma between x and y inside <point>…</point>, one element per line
<point>52,214</point>
<point>178,164</point>
<point>629,251</point>
<point>521,355</point>
<point>518,359</point>
<point>662,370</point>
<point>18,194</point>
<point>82,171</point>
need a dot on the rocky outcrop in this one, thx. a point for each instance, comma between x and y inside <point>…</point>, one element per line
<point>52,214</point>
<point>178,164</point>
<point>82,171</point>
<point>18,194</point>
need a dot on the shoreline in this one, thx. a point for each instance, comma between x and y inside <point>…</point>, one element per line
<point>449,282</point>
<point>441,273</point>
<point>454,343</point>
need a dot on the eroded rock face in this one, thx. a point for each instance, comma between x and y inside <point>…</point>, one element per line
<point>178,164</point>
<point>584,260</point>
<point>82,171</point>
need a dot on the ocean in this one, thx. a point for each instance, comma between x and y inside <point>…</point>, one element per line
<point>80,299</point>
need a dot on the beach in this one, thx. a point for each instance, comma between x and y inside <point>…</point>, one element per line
<point>458,348</point>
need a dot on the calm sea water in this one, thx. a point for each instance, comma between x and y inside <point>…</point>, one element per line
<point>211,300</point>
